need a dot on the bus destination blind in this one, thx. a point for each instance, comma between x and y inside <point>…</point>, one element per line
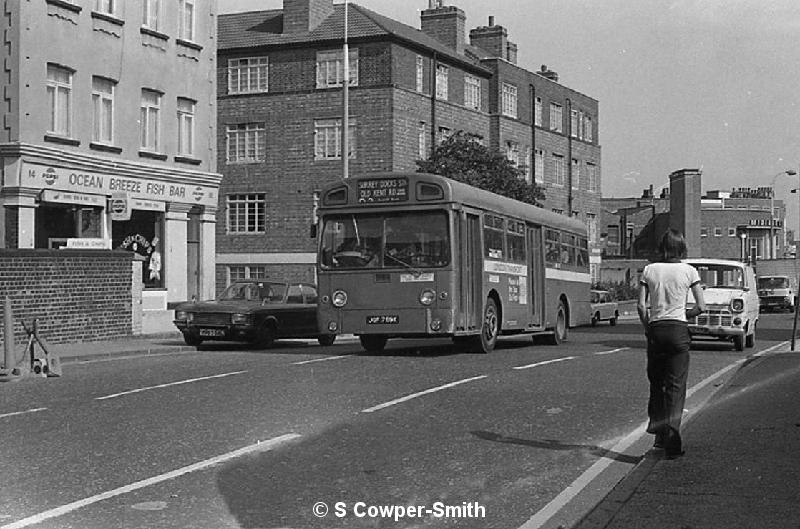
<point>382,190</point>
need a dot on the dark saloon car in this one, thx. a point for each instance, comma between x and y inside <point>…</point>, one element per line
<point>253,311</point>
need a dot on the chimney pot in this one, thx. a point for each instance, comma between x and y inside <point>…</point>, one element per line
<point>491,20</point>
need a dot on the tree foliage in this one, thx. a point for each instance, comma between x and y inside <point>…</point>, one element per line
<point>464,158</point>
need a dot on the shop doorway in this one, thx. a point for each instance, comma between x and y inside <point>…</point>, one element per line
<point>142,234</point>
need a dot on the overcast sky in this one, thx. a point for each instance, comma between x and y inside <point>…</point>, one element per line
<point>711,84</point>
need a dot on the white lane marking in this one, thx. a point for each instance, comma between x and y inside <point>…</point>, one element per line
<point>264,446</point>
<point>612,351</point>
<point>537,364</point>
<point>419,394</point>
<point>319,360</point>
<point>178,383</point>
<point>576,487</point>
<point>13,413</point>
<point>770,349</point>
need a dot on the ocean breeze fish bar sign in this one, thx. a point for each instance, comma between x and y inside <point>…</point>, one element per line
<point>49,177</point>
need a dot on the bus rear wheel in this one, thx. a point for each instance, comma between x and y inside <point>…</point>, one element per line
<point>560,330</point>
<point>373,343</point>
<point>490,328</point>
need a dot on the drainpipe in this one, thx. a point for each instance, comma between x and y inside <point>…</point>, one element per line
<point>434,64</point>
<point>532,161</point>
<point>570,198</point>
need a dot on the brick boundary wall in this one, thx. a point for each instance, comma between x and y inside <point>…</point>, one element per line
<point>76,295</point>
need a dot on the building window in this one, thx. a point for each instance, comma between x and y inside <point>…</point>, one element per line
<point>559,170</point>
<point>420,74</point>
<point>556,117</point>
<point>528,165</point>
<point>588,131</point>
<point>574,127</point>
<point>330,68</point>
<point>103,110</point>
<point>328,139</point>
<point>441,82</point>
<point>248,75</point>
<point>472,92</point>
<point>591,175</point>
<point>246,142</point>
<point>243,272</point>
<point>186,109</point>
<point>108,7</point>
<point>247,213</point>
<point>59,98</point>
<point>576,174</point>
<point>422,141</point>
<point>443,134</point>
<point>186,19</point>
<point>717,232</point>
<point>509,100</point>
<point>558,211</point>
<point>150,14</point>
<point>703,232</point>
<point>537,115</point>
<point>149,120</point>
<point>731,232</point>
<point>512,152</point>
<point>539,161</point>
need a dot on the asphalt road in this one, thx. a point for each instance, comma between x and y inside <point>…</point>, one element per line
<point>231,437</point>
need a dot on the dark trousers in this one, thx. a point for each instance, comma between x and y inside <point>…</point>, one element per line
<point>667,371</point>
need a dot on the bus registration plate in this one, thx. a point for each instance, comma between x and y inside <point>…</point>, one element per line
<point>383,320</point>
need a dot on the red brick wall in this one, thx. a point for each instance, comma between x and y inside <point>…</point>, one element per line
<point>76,295</point>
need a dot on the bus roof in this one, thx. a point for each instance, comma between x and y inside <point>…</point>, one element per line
<point>455,192</point>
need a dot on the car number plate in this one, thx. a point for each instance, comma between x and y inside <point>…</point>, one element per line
<point>212,332</point>
<point>383,320</point>
<point>701,330</point>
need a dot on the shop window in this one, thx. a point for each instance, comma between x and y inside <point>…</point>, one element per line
<point>55,223</point>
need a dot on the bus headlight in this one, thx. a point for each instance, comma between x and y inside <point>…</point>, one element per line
<point>427,297</point>
<point>737,305</point>
<point>339,299</point>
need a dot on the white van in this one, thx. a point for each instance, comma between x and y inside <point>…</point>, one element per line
<point>731,296</point>
<point>776,293</point>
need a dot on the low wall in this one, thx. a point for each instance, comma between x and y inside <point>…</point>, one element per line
<point>76,295</point>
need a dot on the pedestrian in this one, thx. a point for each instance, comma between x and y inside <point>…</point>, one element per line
<point>666,284</point>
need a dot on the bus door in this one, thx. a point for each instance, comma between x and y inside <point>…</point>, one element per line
<point>471,277</point>
<point>535,275</point>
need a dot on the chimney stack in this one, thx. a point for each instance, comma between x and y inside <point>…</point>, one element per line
<point>301,16</point>
<point>446,24</point>
<point>494,41</point>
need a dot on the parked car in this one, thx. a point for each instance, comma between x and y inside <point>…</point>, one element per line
<point>604,307</point>
<point>776,292</point>
<point>731,297</point>
<point>253,311</point>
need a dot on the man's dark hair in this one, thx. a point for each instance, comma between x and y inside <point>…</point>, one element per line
<point>672,246</point>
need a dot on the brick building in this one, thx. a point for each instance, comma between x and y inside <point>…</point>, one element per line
<point>110,104</point>
<point>280,118</point>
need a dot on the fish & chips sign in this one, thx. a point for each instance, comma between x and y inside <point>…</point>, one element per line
<point>45,177</point>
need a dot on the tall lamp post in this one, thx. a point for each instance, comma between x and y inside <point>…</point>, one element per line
<point>790,172</point>
<point>796,257</point>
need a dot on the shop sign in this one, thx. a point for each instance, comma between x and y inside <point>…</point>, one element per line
<point>59,178</point>
<point>89,243</point>
<point>66,197</point>
<point>148,205</point>
<point>776,223</point>
<point>120,206</point>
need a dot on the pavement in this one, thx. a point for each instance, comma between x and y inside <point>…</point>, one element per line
<point>741,464</point>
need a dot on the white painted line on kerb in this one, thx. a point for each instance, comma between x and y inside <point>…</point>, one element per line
<point>319,360</point>
<point>264,446</point>
<point>178,383</point>
<point>537,364</point>
<point>13,413</point>
<point>415,395</point>
<point>612,351</point>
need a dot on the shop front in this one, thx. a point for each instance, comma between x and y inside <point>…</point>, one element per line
<point>164,218</point>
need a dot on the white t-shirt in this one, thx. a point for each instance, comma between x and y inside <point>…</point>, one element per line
<point>668,285</point>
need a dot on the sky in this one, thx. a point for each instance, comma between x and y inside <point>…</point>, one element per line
<point>708,84</point>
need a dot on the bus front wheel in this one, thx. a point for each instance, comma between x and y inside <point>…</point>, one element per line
<point>490,327</point>
<point>560,330</point>
<point>373,343</point>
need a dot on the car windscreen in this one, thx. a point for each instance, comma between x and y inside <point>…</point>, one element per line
<point>720,276</point>
<point>251,291</point>
<point>773,282</point>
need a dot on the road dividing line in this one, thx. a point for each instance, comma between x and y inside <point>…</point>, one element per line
<point>319,360</point>
<point>264,446</point>
<point>13,413</point>
<point>537,364</point>
<point>612,351</point>
<point>415,395</point>
<point>178,383</point>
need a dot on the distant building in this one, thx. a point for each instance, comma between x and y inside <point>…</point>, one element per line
<point>280,119</point>
<point>108,111</point>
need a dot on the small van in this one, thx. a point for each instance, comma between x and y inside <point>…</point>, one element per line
<point>731,296</point>
<point>776,293</point>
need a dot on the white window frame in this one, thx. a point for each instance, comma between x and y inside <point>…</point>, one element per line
<point>330,68</point>
<point>150,120</point>
<point>151,14</point>
<point>328,139</point>
<point>591,174</point>
<point>442,134</point>
<point>731,232</point>
<point>420,72</point>
<point>247,75</point>
<point>246,213</point>
<point>257,272</point>
<point>185,112</point>
<point>512,152</point>
<point>574,124</point>
<point>556,117</point>
<point>576,173</point>
<point>103,110</point>
<point>559,170</point>
<point>528,165</point>
<point>442,75</point>
<point>186,26</point>
<point>717,231</point>
<point>538,156</point>
<point>509,100</point>
<point>537,112</point>
<point>472,92</point>
<point>422,141</point>
<point>245,142</point>
<point>703,232</point>
<point>59,96</point>
<point>109,7</point>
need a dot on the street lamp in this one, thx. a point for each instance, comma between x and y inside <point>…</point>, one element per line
<point>790,172</point>
<point>743,235</point>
